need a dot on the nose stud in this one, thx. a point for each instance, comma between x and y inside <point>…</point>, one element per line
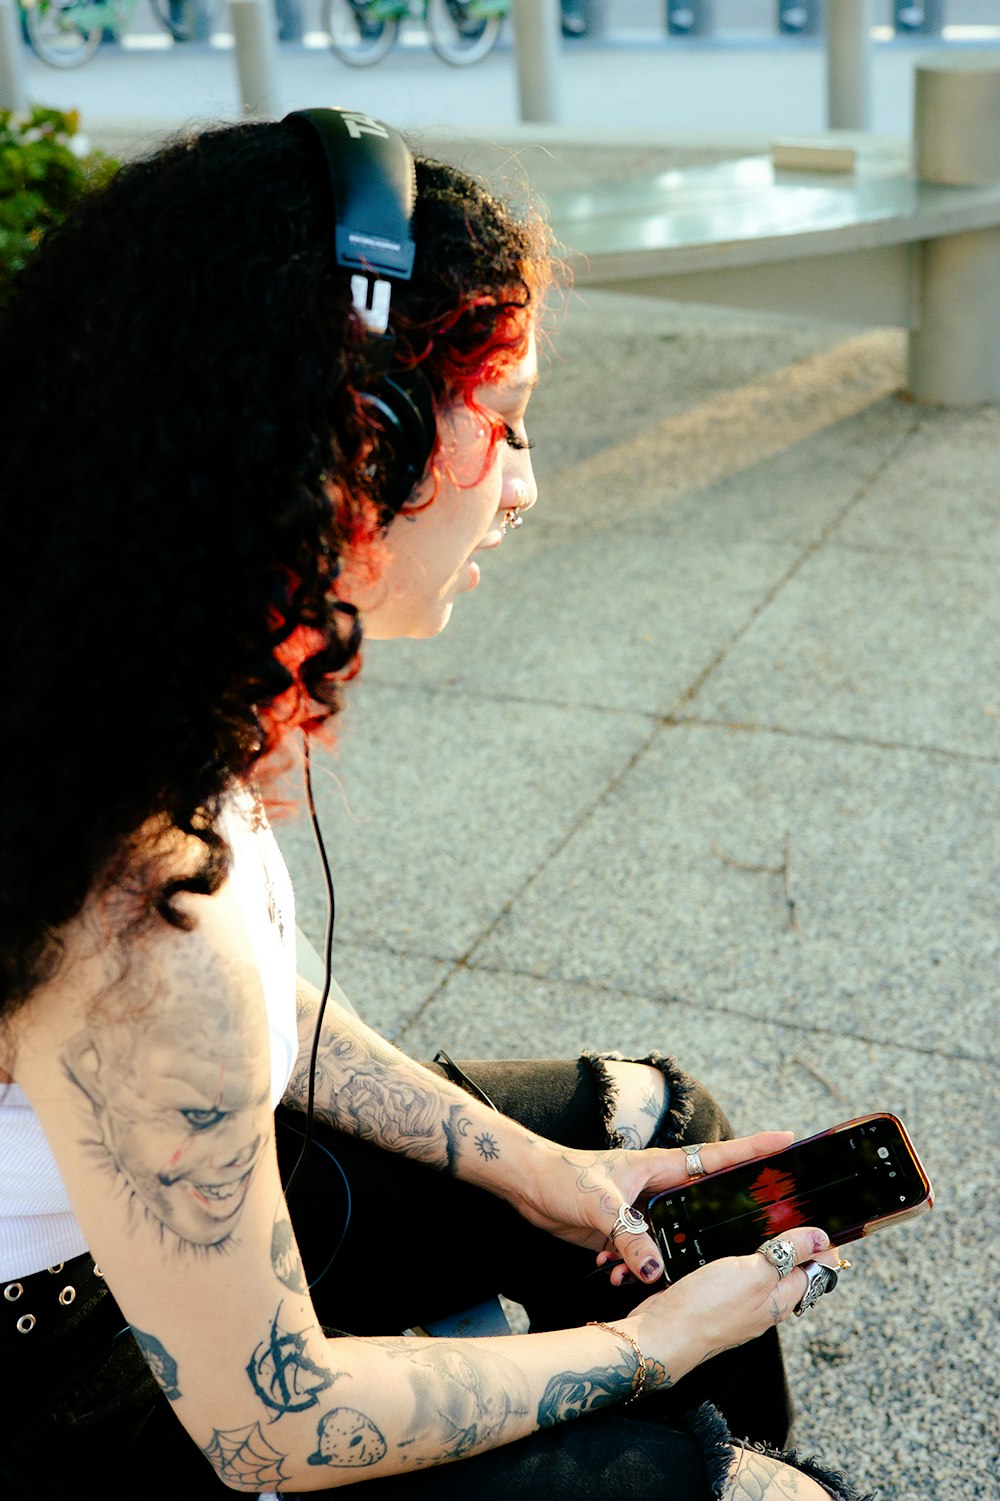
<point>512,518</point>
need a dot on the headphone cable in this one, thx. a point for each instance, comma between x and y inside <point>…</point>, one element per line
<point>327,963</point>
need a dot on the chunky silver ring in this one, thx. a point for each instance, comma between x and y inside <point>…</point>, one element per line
<point>781,1255</point>
<point>820,1279</point>
<point>629,1220</point>
<point>692,1161</point>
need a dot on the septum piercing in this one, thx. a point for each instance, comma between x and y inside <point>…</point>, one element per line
<point>513,518</point>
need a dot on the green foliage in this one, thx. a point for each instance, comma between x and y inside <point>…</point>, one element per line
<point>44,165</point>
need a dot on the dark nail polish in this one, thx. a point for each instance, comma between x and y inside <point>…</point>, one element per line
<point>650,1270</point>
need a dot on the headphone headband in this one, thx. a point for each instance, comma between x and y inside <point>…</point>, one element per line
<point>374,187</point>
<point>373,183</point>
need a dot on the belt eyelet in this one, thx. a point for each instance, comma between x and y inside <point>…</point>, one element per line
<point>55,1270</point>
<point>97,1270</point>
<point>13,1291</point>
<point>26,1323</point>
<point>67,1296</point>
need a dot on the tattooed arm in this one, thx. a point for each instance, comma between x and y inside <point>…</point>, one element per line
<point>366,1087</point>
<point>151,1081</point>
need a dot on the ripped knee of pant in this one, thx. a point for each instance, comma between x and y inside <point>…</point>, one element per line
<point>679,1094</point>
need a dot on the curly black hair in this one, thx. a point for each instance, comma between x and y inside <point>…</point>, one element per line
<point>186,459</point>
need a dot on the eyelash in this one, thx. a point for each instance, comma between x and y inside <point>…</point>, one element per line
<point>512,440</point>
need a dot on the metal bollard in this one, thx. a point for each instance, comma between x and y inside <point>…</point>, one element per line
<point>253,35</point>
<point>954,355</point>
<point>12,91</point>
<point>536,45</point>
<point>848,65</point>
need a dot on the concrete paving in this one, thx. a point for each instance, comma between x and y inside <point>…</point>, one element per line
<point>711,763</point>
<point>752,623</point>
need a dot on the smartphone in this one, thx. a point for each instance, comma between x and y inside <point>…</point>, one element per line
<point>852,1180</point>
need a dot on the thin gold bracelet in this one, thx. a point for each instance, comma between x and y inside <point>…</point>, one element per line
<point>639,1379</point>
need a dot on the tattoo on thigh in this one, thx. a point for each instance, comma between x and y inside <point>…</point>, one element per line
<point>160,1362</point>
<point>757,1477</point>
<point>282,1373</point>
<point>652,1105</point>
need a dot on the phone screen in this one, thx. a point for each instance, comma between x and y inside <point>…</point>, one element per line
<point>841,1181</point>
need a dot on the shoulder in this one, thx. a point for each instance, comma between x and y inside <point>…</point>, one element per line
<point>131,998</point>
<point>147,1062</point>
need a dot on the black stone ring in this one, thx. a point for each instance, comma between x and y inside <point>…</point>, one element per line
<point>819,1280</point>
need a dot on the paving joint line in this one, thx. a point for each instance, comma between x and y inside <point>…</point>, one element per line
<point>833,737</point>
<point>659,998</point>
<point>670,720</point>
<point>809,551</point>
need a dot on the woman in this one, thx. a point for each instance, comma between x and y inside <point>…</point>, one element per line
<point>210,459</point>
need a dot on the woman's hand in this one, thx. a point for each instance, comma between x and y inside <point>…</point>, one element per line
<point>577,1195</point>
<point>722,1305</point>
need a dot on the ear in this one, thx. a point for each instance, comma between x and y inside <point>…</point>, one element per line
<point>82,1063</point>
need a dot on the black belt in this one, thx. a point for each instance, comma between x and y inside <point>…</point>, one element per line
<point>38,1305</point>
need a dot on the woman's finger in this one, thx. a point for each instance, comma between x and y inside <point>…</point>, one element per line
<point>672,1167</point>
<point>777,1265</point>
<point>629,1237</point>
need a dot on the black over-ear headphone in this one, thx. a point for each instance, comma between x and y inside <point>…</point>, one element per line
<point>374,188</point>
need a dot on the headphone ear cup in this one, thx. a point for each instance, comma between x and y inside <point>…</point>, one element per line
<point>401,405</point>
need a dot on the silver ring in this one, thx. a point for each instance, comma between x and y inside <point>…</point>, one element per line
<point>820,1279</point>
<point>629,1220</point>
<point>513,518</point>
<point>781,1255</point>
<point>692,1160</point>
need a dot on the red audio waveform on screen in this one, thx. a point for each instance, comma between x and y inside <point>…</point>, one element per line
<point>780,1207</point>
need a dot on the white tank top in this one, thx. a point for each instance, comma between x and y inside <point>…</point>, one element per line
<point>37,1225</point>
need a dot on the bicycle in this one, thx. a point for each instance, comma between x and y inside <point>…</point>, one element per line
<point>66,33</point>
<point>460,31</point>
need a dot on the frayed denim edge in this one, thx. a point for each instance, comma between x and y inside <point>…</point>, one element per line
<point>708,1427</point>
<point>677,1111</point>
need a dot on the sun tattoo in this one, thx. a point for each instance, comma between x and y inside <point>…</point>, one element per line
<point>488,1147</point>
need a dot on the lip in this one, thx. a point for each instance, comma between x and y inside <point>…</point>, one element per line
<point>494,537</point>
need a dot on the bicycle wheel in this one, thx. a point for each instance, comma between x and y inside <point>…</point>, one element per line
<point>59,33</point>
<point>358,39</point>
<point>187,20</point>
<point>462,32</point>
